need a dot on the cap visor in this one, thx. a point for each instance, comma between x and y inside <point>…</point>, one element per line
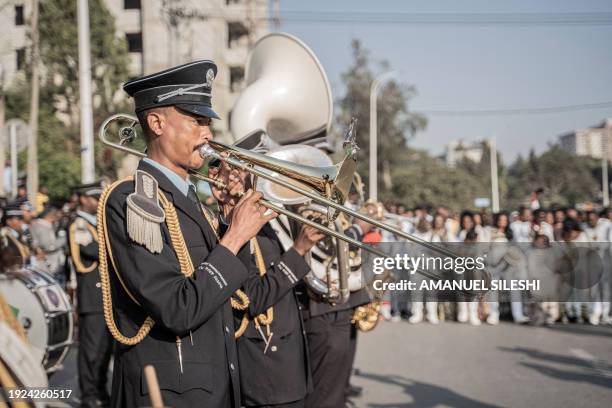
<point>200,110</point>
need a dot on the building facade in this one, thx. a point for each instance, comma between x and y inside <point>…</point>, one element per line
<point>164,33</point>
<point>595,141</point>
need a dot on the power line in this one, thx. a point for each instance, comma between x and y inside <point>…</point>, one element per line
<point>341,17</point>
<point>517,111</point>
<point>602,18</point>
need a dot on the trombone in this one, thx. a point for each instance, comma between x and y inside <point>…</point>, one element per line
<point>327,185</point>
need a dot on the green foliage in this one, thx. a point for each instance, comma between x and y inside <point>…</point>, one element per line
<point>566,179</point>
<point>59,53</point>
<point>396,124</point>
<point>59,140</point>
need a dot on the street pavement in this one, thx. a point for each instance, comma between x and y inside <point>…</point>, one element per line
<point>457,365</point>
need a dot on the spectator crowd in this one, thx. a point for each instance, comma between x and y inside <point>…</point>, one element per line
<point>41,228</point>
<point>531,227</point>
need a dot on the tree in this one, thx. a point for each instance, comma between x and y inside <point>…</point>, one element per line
<point>566,179</point>
<point>396,124</point>
<point>58,142</point>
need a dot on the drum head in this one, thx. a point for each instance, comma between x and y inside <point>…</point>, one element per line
<point>44,311</point>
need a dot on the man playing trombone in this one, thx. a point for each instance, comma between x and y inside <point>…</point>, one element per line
<point>272,351</point>
<point>166,277</point>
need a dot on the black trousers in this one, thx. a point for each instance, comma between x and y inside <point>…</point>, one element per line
<point>95,349</point>
<point>330,356</point>
<point>352,352</point>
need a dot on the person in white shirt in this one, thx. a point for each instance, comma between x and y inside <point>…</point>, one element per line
<point>573,233</point>
<point>505,262</point>
<point>521,228</point>
<point>425,233</point>
<point>597,231</point>
<point>467,311</point>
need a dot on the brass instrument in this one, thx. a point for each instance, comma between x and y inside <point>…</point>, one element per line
<point>327,186</point>
<point>288,110</point>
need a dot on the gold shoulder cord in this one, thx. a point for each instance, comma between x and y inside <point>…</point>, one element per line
<point>179,246</point>
<point>76,253</point>
<point>263,319</point>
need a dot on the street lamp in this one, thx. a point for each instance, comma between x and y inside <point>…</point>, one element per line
<point>373,135</point>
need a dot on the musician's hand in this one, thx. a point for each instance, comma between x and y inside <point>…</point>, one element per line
<point>306,239</point>
<point>234,181</point>
<point>247,219</point>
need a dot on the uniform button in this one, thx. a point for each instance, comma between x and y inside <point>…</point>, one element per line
<point>226,329</point>
<point>98,285</point>
<point>300,307</point>
<point>273,348</point>
<point>232,366</point>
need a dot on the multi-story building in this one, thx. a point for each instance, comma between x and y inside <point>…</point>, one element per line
<point>595,141</point>
<point>163,33</point>
<point>458,150</point>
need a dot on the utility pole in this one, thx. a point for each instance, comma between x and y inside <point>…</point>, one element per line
<point>14,166</point>
<point>605,182</point>
<point>2,135</point>
<point>494,176</point>
<point>32,181</point>
<point>373,187</point>
<point>87,142</point>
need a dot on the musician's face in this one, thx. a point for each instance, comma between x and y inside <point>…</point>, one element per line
<point>181,134</point>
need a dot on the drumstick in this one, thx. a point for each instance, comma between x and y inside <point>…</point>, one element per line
<point>154,392</point>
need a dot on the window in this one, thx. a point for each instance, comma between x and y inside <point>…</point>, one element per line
<point>236,78</point>
<point>19,20</point>
<point>21,58</point>
<point>134,41</point>
<point>235,33</point>
<point>131,4</point>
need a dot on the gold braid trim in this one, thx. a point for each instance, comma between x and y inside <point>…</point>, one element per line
<point>76,253</point>
<point>262,319</point>
<point>107,300</point>
<point>179,246</point>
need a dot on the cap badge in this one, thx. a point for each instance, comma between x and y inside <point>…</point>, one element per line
<point>210,76</point>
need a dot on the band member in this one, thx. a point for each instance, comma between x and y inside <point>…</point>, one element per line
<point>357,231</point>
<point>272,350</point>
<point>12,233</point>
<point>171,277</point>
<point>95,342</point>
<point>332,339</point>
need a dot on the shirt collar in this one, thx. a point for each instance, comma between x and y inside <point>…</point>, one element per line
<point>181,184</point>
<point>90,218</point>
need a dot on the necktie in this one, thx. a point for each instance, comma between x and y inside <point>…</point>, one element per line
<point>193,197</point>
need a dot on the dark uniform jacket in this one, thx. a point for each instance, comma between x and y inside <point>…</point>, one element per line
<point>315,307</point>
<point>17,245</point>
<point>196,309</point>
<point>281,375</point>
<point>89,293</point>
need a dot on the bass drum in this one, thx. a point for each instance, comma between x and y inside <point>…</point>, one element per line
<point>43,309</point>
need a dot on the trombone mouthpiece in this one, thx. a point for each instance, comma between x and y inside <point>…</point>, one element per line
<point>207,152</point>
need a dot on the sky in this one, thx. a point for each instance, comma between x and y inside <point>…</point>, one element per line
<point>474,67</point>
